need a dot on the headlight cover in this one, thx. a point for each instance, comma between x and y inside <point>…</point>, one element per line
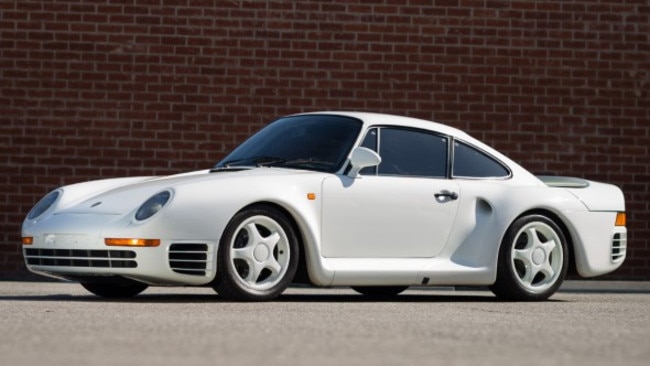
<point>151,206</point>
<point>43,205</point>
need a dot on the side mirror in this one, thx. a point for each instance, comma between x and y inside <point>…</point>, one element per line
<point>360,158</point>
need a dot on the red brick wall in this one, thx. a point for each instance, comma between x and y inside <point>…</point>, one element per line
<point>103,88</point>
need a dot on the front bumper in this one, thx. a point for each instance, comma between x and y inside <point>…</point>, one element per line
<point>174,262</point>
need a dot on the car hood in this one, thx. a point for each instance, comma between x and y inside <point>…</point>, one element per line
<point>123,198</point>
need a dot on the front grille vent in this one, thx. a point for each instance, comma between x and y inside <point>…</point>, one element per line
<point>619,247</point>
<point>81,258</point>
<point>189,258</point>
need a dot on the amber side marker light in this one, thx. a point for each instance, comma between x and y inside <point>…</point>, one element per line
<point>28,240</point>
<point>131,242</point>
<point>620,219</point>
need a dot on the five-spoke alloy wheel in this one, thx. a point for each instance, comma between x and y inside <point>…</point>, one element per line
<point>257,256</point>
<point>533,260</point>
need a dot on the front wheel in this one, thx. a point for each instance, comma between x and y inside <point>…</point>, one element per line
<point>258,255</point>
<point>533,260</point>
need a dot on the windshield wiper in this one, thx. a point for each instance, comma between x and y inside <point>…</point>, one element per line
<point>273,161</point>
<point>256,161</point>
<point>304,162</point>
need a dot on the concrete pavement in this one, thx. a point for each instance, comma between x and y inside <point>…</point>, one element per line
<point>606,286</point>
<point>58,323</point>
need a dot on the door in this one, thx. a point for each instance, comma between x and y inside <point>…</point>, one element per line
<point>404,208</point>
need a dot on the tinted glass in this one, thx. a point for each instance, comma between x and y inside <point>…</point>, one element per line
<point>471,162</point>
<point>315,142</point>
<point>413,153</point>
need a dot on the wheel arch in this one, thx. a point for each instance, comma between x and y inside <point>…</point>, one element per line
<point>302,275</point>
<point>562,225</point>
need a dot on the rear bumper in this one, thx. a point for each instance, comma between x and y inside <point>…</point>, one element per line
<point>599,246</point>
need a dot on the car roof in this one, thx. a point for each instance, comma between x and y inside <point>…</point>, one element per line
<point>379,119</point>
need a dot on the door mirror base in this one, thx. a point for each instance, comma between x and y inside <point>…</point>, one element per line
<point>360,158</point>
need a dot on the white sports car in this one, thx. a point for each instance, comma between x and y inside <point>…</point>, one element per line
<point>375,202</point>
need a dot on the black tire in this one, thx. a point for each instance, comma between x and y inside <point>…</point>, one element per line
<point>533,260</point>
<point>117,290</point>
<point>257,256</point>
<point>380,291</point>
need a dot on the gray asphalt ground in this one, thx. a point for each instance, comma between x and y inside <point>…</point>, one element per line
<point>586,323</point>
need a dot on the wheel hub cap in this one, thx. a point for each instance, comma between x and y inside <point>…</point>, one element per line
<point>538,256</point>
<point>261,253</point>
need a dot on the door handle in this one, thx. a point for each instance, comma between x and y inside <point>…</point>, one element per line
<point>446,194</point>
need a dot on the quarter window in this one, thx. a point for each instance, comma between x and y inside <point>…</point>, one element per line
<point>473,163</point>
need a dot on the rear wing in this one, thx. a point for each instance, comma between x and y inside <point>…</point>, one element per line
<point>595,196</point>
<point>563,182</point>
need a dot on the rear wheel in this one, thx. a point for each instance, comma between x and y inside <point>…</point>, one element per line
<point>533,260</point>
<point>115,290</point>
<point>258,255</point>
<point>380,291</point>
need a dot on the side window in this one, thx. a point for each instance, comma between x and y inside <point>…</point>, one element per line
<point>473,163</point>
<point>406,152</point>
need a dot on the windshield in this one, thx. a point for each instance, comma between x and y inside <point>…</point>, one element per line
<point>314,142</point>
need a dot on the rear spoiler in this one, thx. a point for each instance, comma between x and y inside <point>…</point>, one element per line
<point>563,182</point>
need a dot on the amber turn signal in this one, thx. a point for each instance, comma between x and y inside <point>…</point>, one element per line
<point>620,219</point>
<point>28,240</point>
<point>131,242</point>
